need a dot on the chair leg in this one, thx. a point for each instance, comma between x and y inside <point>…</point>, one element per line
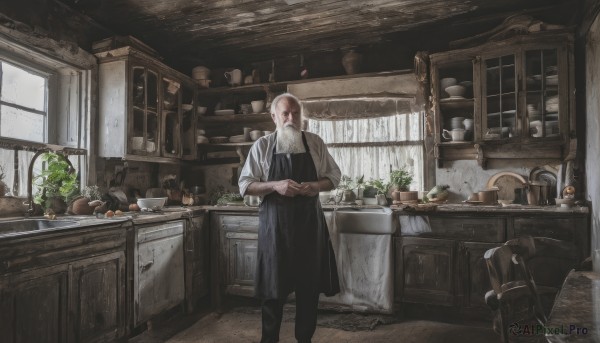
<point>504,335</point>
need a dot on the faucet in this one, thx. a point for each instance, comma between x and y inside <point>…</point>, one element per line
<point>29,203</point>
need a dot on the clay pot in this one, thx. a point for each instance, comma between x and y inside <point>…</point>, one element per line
<point>352,62</point>
<point>80,206</point>
<point>409,196</point>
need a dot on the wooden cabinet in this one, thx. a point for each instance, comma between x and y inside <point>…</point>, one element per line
<point>158,269</point>
<point>518,101</point>
<point>425,270</point>
<point>196,260</point>
<point>236,235</point>
<point>146,109</point>
<point>64,286</point>
<point>445,266</point>
<point>566,228</point>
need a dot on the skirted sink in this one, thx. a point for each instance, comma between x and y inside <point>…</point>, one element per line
<point>26,225</point>
<point>369,220</point>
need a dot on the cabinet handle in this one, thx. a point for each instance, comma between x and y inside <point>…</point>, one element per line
<point>147,266</point>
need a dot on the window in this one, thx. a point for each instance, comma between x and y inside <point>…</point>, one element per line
<point>373,146</point>
<point>23,103</point>
<point>45,98</point>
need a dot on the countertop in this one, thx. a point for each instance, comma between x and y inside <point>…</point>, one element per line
<point>178,212</point>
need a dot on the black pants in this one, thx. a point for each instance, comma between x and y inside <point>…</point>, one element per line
<point>306,317</point>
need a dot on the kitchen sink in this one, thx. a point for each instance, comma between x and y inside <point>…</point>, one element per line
<point>25,225</point>
<point>365,220</point>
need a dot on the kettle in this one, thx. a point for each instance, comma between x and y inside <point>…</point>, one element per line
<point>234,77</point>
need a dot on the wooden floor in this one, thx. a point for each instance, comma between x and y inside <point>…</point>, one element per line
<point>243,325</point>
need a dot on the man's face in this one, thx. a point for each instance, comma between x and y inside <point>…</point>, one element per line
<point>287,113</point>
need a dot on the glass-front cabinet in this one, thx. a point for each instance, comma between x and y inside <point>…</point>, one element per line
<point>143,123</point>
<point>146,109</point>
<point>504,99</point>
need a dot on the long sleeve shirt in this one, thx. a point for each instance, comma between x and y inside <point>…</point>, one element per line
<point>258,162</point>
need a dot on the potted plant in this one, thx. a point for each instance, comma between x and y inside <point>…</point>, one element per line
<point>381,188</point>
<point>360,186</point>
<point>57,184</point>
<point>400,180</point>
<point>344,191</point>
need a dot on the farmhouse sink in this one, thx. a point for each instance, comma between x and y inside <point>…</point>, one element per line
<point>369,220</point>
<point>26,225</point>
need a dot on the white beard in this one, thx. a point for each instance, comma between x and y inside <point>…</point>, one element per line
<point>289,140</point>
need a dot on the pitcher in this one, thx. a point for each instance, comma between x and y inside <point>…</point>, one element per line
<point>234,77</point>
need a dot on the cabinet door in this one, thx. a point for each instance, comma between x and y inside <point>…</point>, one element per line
<point>160,270</point>
<point>171,120</point>
<point>543,93</point>
<point>188,123</point>
<point>143,130</point>
<point>241,264</point>
<point>475,278</point>
<point>500,118</point>
<point>425,269</point>
<point>33,306</point>
<point>98,301</point>
<point>196,261</point>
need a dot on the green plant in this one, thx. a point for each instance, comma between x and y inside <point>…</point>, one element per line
<point>401,179</point>
<point>57,179</point>
<point>379,185</point>
<point>346,183</point>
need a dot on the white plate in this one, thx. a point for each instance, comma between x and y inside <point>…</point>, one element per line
<point>224,112</point>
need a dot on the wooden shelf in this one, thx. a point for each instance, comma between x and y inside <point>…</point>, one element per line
<point>225,145</point>
<point>236,117</point>
<point>243,89</point>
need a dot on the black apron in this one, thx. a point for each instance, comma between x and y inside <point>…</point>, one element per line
<point>294,249</point>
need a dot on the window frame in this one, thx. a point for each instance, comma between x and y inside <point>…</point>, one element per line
<point>52,91</point>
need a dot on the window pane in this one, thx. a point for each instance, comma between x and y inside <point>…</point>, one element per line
<point>16,123</point>
<point>23,88</point>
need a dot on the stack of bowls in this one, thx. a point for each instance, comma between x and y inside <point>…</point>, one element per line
<point>445,83</point>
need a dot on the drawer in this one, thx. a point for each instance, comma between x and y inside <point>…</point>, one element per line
<point>557,228</point>
<point>468,228</point>
<point>234,222</point>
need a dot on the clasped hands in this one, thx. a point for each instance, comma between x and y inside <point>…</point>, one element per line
<point>291,188</point>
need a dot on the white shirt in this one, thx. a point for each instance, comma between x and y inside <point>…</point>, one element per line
<point>258,162</point>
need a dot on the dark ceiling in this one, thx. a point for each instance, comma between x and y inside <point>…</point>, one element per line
<point>229,32</point>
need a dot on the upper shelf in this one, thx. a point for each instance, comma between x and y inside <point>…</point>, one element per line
<point>253,88</point>
<point>236,117</point>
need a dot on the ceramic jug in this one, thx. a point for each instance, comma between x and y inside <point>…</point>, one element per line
<point>234,77</point>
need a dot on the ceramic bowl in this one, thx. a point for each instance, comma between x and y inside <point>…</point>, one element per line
<point>154,204</point>
<point>447,82</point>
<point>201,110</point>
<point>455,91</point>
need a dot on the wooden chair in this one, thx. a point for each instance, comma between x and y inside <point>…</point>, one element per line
<point>549,261</point>
<point>515,299</point>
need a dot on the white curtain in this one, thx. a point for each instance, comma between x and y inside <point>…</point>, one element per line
<point>401,138</point>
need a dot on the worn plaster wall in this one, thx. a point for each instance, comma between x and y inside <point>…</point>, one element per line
<point>593,128</point>
<point>465,177</point>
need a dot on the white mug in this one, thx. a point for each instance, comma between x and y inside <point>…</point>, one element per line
<point>258,106</point>
<point>234,77</point>
<point>454,135</point>
<point>468,123</point>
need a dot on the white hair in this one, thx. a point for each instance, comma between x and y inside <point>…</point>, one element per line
<point>281,96</point>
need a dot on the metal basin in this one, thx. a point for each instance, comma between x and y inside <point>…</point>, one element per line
<point>26,225</point>
<point>374,221</point>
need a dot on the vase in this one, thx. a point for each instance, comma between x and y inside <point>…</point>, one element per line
<point>348,196</point>
<point>352,62</point>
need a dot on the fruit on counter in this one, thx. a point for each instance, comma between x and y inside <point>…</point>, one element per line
<point>109,214</point>
<point>134,207</point>
<point>118,213</point>
<point>439,193</point>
